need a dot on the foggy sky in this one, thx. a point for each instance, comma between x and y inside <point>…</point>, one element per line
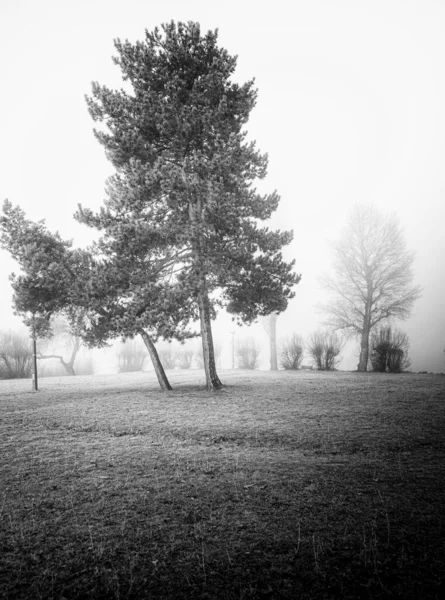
<point>351,108</point>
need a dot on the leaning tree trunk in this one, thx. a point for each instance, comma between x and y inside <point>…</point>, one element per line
<point>159,369</point>
<point>68,366</point>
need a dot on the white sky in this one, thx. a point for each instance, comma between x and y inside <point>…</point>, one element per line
<point>351,108</point>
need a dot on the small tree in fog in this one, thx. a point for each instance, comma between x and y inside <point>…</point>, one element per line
<point>373,277</point>
<point>292,352</point>
<point>63,345</point>
<point>15,355</point>
<point>389,350</point>
<point>248,352</point>
<point>167,356</point>
<point>184,356</point>
<point>131,356</point>
<point>324,348</point>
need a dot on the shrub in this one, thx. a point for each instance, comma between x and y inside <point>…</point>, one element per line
<point>292,352</point>
<point>131,356</point>
<point>389,350</point>
<point>248,352</point>
<point>167,356</point>
<point>184,356</point>
<point>16,358</point>
<point>324,348</point>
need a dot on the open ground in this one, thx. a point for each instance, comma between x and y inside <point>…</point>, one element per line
<point>282,485</point>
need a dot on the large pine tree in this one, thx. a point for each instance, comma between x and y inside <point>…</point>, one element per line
<point>184,186</point>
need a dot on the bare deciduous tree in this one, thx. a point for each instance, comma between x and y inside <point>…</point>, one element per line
<point>248,353</point>
<point>15,355</point>
<point>184,357</point>
<point>389,350</point>
<point>373,277</point>
<point>324,348</point>
<point>64,345</point>
<point>292,352</point>
<point>167,356</point>
<point>132,356</point>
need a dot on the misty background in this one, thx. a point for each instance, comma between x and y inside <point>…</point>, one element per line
<point>350,109</point>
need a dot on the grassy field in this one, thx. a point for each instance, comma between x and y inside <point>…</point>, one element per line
<point>282,485</point>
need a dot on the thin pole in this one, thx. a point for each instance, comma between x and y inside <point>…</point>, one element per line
<point>233,349</point>
<point>34,352</point>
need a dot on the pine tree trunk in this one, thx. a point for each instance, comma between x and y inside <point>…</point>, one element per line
<point>273,342</point>
<point>208,352</point>
<point>159,369</point>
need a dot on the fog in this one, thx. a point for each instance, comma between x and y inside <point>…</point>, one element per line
<point>350,109</point>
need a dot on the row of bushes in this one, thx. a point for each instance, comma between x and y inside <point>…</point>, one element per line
<point>132,356</point>
<point>322,348</point>
<point>388,350</point>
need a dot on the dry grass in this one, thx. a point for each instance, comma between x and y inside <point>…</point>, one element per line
<point>285,485</point>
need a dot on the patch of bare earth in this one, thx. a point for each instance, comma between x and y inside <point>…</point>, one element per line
<point>282,485</point>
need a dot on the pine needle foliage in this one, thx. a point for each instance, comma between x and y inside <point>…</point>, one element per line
<point>183,193</point>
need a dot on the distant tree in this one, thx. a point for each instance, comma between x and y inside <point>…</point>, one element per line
<point>389,350</point>
<point>248,352</point>
<point>167,355</point>
<point>292,352</point>
<point>185,178</point>
<point>270,325</point>
<point>372,279</point>
<point>184,357</point>
<point>324,348</point>
<point>131,356</point>
<point>15,355</point>
<point>64,339</point>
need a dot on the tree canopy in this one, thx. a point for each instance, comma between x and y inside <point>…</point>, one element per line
<point>52,271</point>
